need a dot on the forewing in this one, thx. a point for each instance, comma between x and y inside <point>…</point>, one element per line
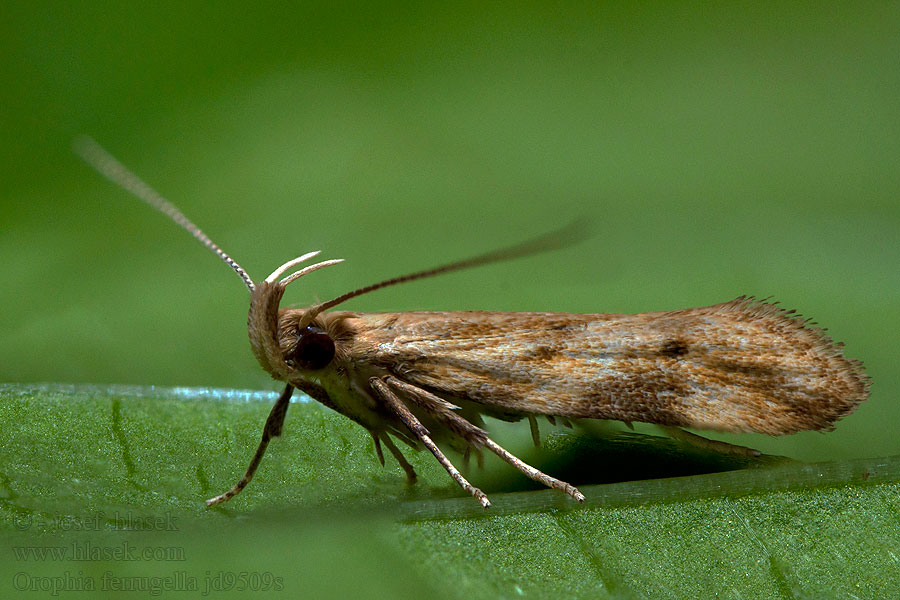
<point>737,366</point>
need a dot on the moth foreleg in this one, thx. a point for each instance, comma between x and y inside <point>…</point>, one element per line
<point>706,444</point>
<point>272,428</point>
<point>412,423</point>
<point>476,435</point>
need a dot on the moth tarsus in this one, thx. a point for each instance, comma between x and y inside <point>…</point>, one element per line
<point>428,377</point>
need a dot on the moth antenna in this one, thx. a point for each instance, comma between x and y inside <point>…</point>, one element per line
<point>572,233</point>
<point>107,165</point>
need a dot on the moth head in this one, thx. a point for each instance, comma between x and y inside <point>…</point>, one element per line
<point>283,343</point>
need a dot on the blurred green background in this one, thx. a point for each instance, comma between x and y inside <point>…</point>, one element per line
<point>717,149</point>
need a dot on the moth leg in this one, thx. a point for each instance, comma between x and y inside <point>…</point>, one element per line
<point>378,452</point>
<point>404,464</point>
<point>467,455</point>
<point>478,436</point>
<point>535,432</point>
<point>412,423</point>
<point>532,473</point>
<point>271,429</point>
<point>706,444</point>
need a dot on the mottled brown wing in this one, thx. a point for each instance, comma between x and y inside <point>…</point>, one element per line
<point>738,366</point>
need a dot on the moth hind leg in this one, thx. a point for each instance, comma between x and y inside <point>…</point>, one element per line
<point>412,423</point>
<point>699,441</point>
<point>443,412</point>
<point>531,472</point>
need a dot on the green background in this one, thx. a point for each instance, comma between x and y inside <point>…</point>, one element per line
<point>716,150</point>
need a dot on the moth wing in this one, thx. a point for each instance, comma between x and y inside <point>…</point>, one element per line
<point>737,366</point>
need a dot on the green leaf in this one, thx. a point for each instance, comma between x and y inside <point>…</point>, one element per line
<point>103,489</point>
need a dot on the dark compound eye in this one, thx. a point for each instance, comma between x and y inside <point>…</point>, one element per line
<point>314,349</point>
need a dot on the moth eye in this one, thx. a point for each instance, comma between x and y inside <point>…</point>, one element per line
<point>314,349</point>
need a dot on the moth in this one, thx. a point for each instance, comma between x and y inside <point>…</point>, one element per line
<point>739,366</point>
